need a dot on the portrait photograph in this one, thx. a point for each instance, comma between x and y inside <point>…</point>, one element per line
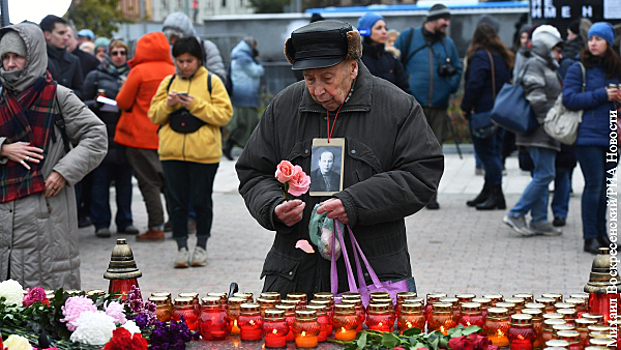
<point>326,167</point>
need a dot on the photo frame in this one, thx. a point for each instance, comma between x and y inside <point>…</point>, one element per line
<point>327,160</point>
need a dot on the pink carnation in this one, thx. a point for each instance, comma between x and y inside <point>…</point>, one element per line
<point>35,295</point>
<point>299,183</point>
<point>73,308</point>
<point>115,310</point>
<point>285,171</point>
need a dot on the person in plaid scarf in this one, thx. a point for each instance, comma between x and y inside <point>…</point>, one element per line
<point>38,222</point>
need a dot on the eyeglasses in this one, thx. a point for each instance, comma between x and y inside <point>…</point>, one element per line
<point>118,53</point>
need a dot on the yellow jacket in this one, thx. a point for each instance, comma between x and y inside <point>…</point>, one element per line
<point>205,145</point>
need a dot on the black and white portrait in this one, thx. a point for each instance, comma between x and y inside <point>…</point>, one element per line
<point>326,169</point>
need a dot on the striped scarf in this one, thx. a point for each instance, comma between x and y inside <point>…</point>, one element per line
<point>29,117</point>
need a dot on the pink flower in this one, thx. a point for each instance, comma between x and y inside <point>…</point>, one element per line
<point>35,295</point>
<point>299,183</point>
<point>115,310</point>
<point>285,171</point>
<point>74,306</point>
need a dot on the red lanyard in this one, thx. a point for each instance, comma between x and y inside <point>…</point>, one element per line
<point>331,130</point>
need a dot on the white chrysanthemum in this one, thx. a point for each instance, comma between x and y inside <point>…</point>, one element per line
<point>132,327</point>
<point>17,342</point>
<point>12,291</point>
<point>93,328</point>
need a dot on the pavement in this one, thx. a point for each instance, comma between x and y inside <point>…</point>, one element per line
<point>456,249</point>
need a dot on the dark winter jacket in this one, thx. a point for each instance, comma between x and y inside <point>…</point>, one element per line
<point>106,78</point>
<point>570,55</point>
<point>382,64</point>
<point>595,127</point>
<point>246,75</point>
<point>65,69</point>
<point>88,62</point>
<point>429,88</point>
<point>392,166</point>
<point>478,95</point>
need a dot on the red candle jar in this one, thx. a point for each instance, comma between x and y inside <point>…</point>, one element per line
<point>509,306</point>
<point>122,287</point>
<point>528,298</point>
<point>234,309</point>
<point>289,317</point>
<point>441,318</point>
<point>536,306</point>
<point>495,298</point>
<point>537,325</point>
<point>265,304</point>
<point>411,316</point>
<point>519,304</point>
<point>271,295</point>
<point>275,329</point>
<point>569,315</point>
<point>297,303</point>
<point>327,305</point>
<point>248,296</point>
<point>497,326</point>
<point>486,303</point>
<point>521,332</point>
<point>163,310</point>
<point>579,296</point>
<point>298,296</point>
<point>579,304</point>
<point>471,315</point>
<point>345,322</point>
<point>185,307</point>
<point>321,297</point>
<point>562,305</point>
<point>378,295</point>
<point>250,322</point>
<point>463,298</point>
<point>549,304</point>
<point>454,305</point>
<point>324,322</point>
<point>582,326</point>
<point>380,317</point>
<point>548,330</point>
<point>348,296</point>
<point>306,329</point>
<point>213,323</point>
<point>195,301</point>
<point>360,312</point>
<point>558,297</point>
<point>598,318</point>
<point>572,338</point>
<point>432,298</point>
<point>401,297</point>
<point>603,343</point>
<point>597,330</point>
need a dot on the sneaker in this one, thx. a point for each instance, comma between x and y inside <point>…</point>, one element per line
<point>151,236</point>
<point>183,258</point>
<point>103,232</point>
<point>545,229</point>
<point>199,258</point>
<point>518,225</point>
<point>558,222</point>
<point>191,226</point>
<point>130,230</point>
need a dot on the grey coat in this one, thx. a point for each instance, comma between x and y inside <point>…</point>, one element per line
<point>38,235</point>
<point>542,86</point>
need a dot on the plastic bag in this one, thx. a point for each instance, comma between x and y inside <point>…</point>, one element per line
<point>321,232</point>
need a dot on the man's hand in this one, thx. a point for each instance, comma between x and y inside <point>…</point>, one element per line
<point>335,210</point>
<point>290,212</point>
<point>54,184</point>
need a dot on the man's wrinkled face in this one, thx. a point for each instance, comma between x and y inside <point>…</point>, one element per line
<point>326,161</point>
<point>330,86</point>
<point>58,36</point>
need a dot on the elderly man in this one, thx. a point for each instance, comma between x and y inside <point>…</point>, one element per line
<point>392,161</point>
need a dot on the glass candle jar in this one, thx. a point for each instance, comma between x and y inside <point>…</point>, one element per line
<point>298,303</point>
<point>557,343</point>
<point>360,312</point>
<point>298,296</point>
<point>306,329</point>
<point>323,295</point>
<point>345,322</point>
<point>233,309</point>
<point>401,297</point>
<point>289,317</point>
<point>324,322</point>
<point>121,287</point>
<point>601,304</point>
<point>548,330</point>
<point>563,305</point>
<point>521,332</point>
<point>388,301</point>
<point>432,298</point>
<point>579,304</point>
<point>603,342</point>
<point>584,296</point>
<point>471,315</point>
<point>528,298</point>
<point>537,306</point>
<point>411,316</point>
<point>265,304</point>
<point>380,317</point>
<point>597,329</point>
<point>558,297</point>
<point>378,295</point>
<point>486,303</point>
<point>456,306</point>
<point>163,310</point>
<point>195,300</point>
<point>248,296</point>
<point>495,298</point>
<point>185,307</point>
<point>582,326</point>
<point>213,323</point>
<point>167,295</point>
<point>465,297</point>
<point>222,295</point>
<point>348,296</point>
<point>250,322</point>
<point>561,328</point>
<point>321,298</point>
<point>519,304</point>
<point>537,315</point>
<point>549,304</point>
<point>271,295</point>
<point>508,306</point>
<point>572,338</point>
<point>599,318</point>
<point>442,318</point>
<point>326,303</point>
<point>569,315</point>
<point>275,328</point>
<point>497,326</point>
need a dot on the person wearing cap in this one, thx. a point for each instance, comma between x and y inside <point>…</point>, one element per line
<point>372,28</point>
<point>392,162</point>
<point>542,87</point>
<point>38,229</point>
<point>603,67</point>
<point>101,48</point>
<point>85,35</point>
<point>432,82</point>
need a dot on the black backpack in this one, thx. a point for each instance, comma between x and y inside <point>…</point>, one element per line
<point>229,82</point>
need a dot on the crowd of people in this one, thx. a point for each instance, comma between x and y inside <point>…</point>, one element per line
<point>77,115</point>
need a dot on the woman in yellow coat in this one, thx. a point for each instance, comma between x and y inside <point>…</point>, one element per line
<point>191,106</point>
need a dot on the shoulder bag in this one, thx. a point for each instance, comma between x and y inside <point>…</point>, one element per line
<point>512,110</point>
<point>181,120</point>
<point>562,123</point>
<point>481,123</point>
<point>392,288</point>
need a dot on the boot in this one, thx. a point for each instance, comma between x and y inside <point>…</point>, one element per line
<point>228,147</point>
<point>496,199</point>
<point>480,198</point>
<point>592,246</point>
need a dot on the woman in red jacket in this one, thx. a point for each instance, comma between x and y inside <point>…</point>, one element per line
<point>150,65</point>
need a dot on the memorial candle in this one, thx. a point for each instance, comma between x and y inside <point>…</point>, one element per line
<point>290,317</point>
<point>213,323</point>
<point>345,322</point>
<point>275,328</point>
<point>306,328</point>
<point>380,317</point>
<point>234,309</point>
<point>521,333</point>
<point>497,325</point>
<point>250,322</point>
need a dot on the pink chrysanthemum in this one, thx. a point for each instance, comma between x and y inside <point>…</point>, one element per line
<point>74,306</point>
<point>35,295</point>
<point>115,310</point>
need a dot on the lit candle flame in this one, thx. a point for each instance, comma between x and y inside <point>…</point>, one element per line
<point>251,322</point>
<point>263,346</point>
<point>235,323</point>
<point>467,324</point>
<point>275,331</point>
<point>379,324</point>
<point>442,329</point>
<point>520,337</point>
<point>343,330</point>
<point>500,333</point>
<point>303,334</point>
<point>409,324</point>
<point>236,344</point>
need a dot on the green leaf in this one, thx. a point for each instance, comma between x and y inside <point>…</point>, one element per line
<point>412,331</point>
<point>454,332</point>
<point>471,329</point>
<point>362,340</point>
<point>390,340</point>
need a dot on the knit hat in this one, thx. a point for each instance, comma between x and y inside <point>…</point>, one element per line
<point>491,21</point>
<point>438,11</point>
<point>603,29</point>
<point>366,22</point>
<point>575,27</point>
<point>12,42</point>
<point>546,29</point>
<point>101,41</point>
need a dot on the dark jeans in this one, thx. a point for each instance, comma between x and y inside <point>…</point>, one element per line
<point>562,189</point>
<point>488,150</point>
<point>100,204</point>
<point>593,163</point>
<point>183,178</point>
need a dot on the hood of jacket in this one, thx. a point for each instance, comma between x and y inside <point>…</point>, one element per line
<point>179,21</point>
<point>36,57</point>
<point>242,49</point>
<point>543,45</point>
<point>151,47</point>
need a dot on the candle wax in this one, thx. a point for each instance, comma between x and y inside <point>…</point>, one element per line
<point>521,344</point>
<point>345,334</point>
<point>251,334</point>
<point>499,340</point>
<point>275,340</point>
<point>306,341</point>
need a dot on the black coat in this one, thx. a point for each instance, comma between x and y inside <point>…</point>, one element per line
<point>382,64</point>
<point>392,167</point>
<point>88,62</point>
<point>478,94</point>
<point>96,80</point>
<point>66,69</point>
